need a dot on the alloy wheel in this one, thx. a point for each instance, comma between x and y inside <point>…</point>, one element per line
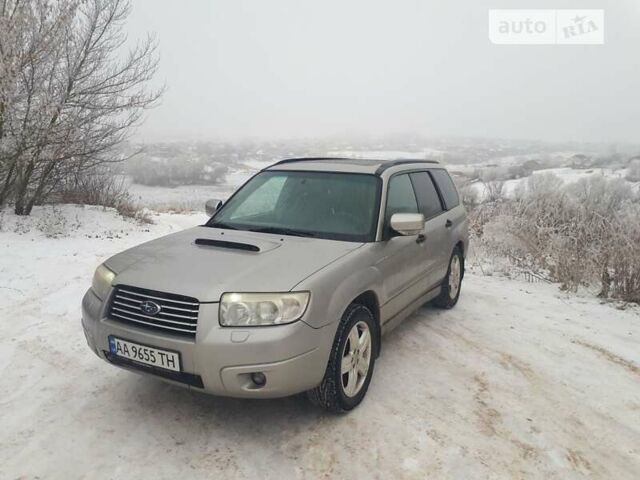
<point>356,359</point>
<point>455,274</point>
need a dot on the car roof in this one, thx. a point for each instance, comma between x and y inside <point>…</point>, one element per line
<point>349,165</point>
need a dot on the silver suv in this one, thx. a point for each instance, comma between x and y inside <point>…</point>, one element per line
<point>290,285</point>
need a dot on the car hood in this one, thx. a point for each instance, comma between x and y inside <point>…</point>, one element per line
<point>206,269</point>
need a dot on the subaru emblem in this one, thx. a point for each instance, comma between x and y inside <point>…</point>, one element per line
<point>150,308</point>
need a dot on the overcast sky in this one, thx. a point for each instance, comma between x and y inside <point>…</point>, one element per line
<point>296,68</point>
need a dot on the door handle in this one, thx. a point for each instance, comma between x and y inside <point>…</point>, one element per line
<point>448,223</point>
<point>421,238</point>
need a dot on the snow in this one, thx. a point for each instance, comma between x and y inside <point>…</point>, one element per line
<point>179,199</point>
<point>519,380</point>
<point>193,197</point>
<point>187,198</point>
<point>566,174</point>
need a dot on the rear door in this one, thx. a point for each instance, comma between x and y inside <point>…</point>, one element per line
<point>435,245</point>
<point>455,215</point>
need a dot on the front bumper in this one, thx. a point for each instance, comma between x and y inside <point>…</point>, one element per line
<point>221,360</point>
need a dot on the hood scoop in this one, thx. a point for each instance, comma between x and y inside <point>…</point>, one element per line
<point>208,242</point>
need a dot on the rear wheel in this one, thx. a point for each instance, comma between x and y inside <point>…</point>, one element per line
<point>351,362</point>
<point>452,283</point>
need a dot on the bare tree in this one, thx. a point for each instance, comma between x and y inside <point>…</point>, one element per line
<point>26,32</point>
<point>75,94</point>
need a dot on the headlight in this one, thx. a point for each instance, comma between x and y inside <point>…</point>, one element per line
<point>257,309</point>
<point>102,281</point>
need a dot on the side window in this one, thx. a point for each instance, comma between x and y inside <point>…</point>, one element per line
<point>400,197</point>
<point>447,188</point>
<point>428,198</point>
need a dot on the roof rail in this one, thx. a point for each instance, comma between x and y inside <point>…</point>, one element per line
<point>402,161</point>
<point>309,159</point>
<point>385,164</point>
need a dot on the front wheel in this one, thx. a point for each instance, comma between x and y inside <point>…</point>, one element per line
<point>452,282</point>
<point>351,362</point>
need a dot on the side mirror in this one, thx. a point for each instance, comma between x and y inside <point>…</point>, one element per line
<point>212,206</point>
<point>407,223</point>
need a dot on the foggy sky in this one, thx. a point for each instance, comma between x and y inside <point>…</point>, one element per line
<point>298,68</point>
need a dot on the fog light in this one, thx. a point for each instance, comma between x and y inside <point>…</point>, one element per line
<point>258,378</point>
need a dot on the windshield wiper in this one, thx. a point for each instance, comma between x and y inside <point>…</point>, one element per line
<point>222,225</point>
<point>283,231</point>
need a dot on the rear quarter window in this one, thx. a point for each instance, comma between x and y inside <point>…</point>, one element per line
<point>446,187</point>
<point>427,194</point>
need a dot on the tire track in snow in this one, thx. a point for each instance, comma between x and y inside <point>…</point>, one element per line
<point>612,357</point>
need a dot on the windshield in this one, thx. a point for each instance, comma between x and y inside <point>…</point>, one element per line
<point>338,206</point>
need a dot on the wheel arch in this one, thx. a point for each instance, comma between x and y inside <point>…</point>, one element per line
<point>369,299</point>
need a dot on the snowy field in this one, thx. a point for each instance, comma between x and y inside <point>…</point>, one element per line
<point>565,174</point>
<point>191,197</point>
<point>518,381</point>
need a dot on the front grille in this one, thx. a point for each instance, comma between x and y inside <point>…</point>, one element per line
<point>178,314</point>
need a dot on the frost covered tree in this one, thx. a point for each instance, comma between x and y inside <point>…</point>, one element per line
<point>70,92</point>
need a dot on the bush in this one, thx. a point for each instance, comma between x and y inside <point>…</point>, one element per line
<point>54,224</point>
<point>130,210</point>
<point>96,187</point>
<point>493,182</point>
<point>580,234</point>
<point>103,187</point>
<point>633,174</point>
<point>469,195</point>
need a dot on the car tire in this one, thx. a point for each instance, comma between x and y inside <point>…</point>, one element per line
<point>336,393</point>
<point>452,283</point>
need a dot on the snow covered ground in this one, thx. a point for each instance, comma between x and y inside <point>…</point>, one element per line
<point>191,197</point>
<point>518,381</point>
<point>566,174</point>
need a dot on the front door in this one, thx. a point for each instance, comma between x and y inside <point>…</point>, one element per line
<point>401,257</point>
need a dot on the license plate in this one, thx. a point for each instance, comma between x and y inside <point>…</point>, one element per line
<point>155,357</point>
